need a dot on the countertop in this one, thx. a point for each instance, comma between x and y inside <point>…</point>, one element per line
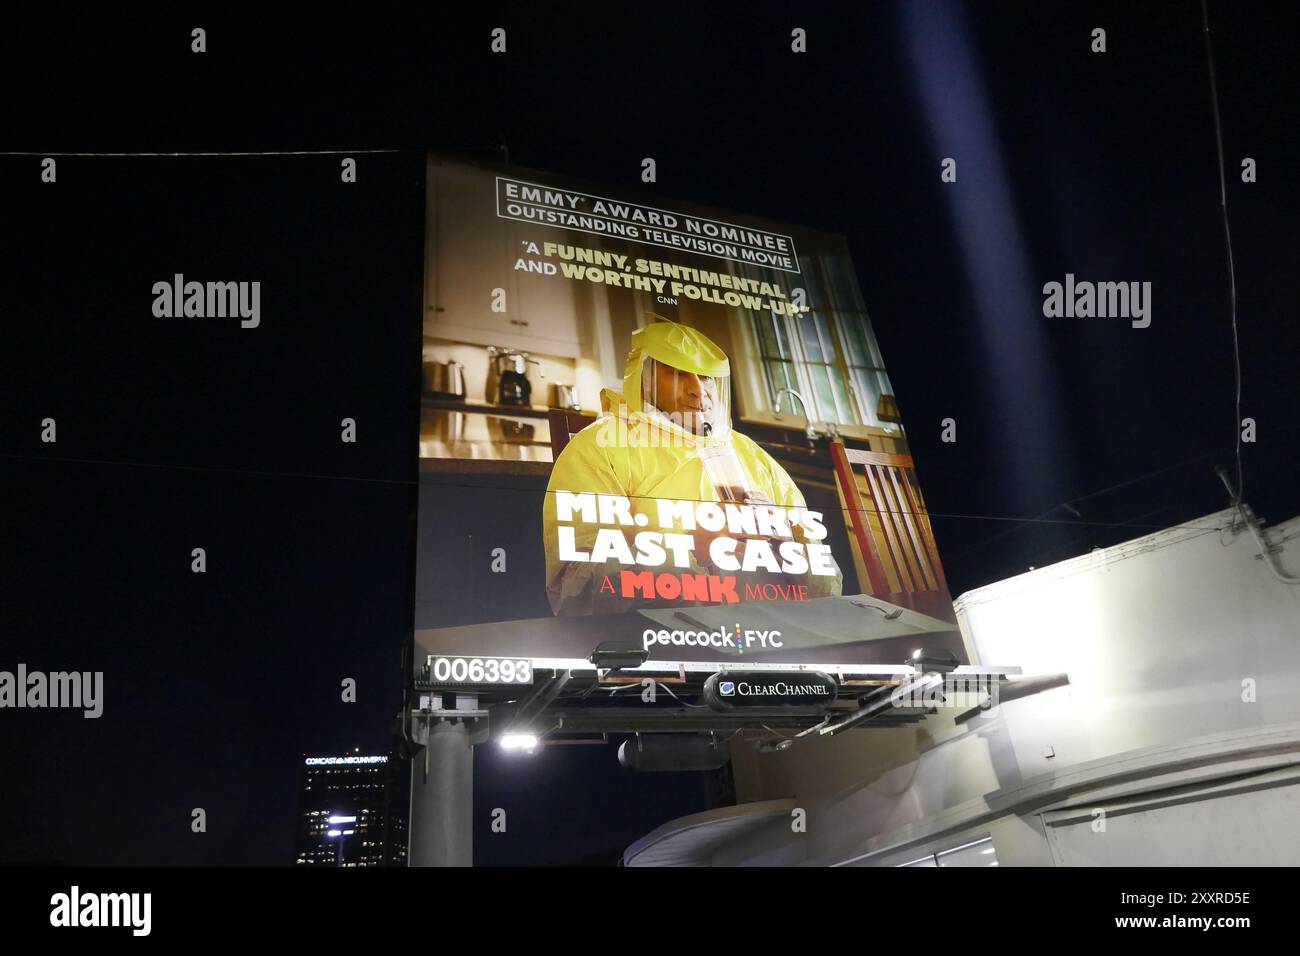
<point>484,466</point>
<point>475,405</point>
<point>473,437</point>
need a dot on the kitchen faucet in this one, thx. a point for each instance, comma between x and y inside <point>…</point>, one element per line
<point>811,430</point>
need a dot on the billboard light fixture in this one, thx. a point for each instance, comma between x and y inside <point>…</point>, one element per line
<point>616,654</point>
<point>934,660</point>
<point>519,743</point>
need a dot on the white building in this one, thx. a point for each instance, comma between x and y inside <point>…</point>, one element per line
<point>1176,741</point>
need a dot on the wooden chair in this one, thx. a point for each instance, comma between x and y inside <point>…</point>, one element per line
<point>565,423</point>
<point>883,504</point>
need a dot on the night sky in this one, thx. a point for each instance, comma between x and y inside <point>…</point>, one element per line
<point>174,434</point>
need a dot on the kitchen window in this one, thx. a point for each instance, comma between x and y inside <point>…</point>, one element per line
<point>827,353</point>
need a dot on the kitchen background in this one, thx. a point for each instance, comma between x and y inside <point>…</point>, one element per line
<point>491,377</point>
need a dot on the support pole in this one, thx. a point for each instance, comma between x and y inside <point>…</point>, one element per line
<point>442,789</point>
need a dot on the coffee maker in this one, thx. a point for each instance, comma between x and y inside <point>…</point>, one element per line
<point>510,370</point>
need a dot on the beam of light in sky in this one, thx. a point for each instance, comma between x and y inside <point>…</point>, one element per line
<point>1008,302</point>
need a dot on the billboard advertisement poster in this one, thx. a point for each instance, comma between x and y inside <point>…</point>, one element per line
<point>648,422</point>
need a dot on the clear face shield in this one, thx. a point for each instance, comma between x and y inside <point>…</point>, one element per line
<point>698,404</point>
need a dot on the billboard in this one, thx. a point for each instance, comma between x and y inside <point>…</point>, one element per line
<point>649,422</point>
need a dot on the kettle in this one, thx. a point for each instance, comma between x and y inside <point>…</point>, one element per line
<point>566,396</point>
<point>444,379</point>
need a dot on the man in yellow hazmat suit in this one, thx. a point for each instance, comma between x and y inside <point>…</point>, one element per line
<point>632,495</point>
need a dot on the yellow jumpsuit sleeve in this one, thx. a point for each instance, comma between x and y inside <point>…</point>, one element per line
<point>584,466</point>
<point>780,487</point>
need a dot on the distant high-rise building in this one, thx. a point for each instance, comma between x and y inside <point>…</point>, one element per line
<point>351,812</point>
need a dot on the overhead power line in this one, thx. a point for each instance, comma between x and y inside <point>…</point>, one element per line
<point>1227,239</point>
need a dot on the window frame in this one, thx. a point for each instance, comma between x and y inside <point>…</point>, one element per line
<point>831,318</point>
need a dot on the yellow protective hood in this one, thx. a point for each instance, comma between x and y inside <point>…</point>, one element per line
<point>677,345</point>
<point>643,457</point>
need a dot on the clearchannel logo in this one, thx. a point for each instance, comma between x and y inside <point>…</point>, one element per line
<point>777,689</point>
<point>734,641</point>
<point>802,690</point>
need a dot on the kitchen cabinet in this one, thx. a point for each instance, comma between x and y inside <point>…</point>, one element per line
<point>470,251</point>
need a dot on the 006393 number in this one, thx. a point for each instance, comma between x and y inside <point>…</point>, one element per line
<point>480,670</point>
